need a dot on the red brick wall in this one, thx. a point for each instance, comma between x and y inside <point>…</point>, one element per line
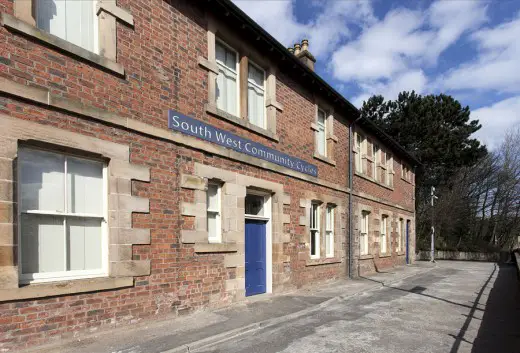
<point>160,58</point>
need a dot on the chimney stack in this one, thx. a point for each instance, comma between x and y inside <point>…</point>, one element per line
<point>305,44</point>
<point>303,53</point>
<point>297,49</point>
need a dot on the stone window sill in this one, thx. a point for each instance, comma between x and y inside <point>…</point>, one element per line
<point>366,177</point>
<point>204,248</point>
<point>323,261</point>
<point>401,253</point>
<point>213,110</point>
<point>324,159</point>
<point>384,255</point>
<point>366,257</point>
<point>50,289</point>
<point>22,27</point>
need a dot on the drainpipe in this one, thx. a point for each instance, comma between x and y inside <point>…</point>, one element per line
<point>350,223</point>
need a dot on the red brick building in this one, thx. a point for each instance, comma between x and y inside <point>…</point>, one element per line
<point>171,155</point>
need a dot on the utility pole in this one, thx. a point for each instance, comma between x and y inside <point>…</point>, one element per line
<point>433,197</point>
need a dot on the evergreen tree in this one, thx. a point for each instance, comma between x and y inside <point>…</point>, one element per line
<point>437,130</point>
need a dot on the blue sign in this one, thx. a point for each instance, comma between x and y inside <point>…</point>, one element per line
<point>193,127</point>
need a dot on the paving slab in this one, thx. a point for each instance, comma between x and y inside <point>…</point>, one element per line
<point>207,327</point>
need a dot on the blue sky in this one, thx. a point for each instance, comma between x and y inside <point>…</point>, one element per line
<point>468,49</point>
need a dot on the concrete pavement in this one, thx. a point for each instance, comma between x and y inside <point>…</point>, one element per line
<point>449,307</point>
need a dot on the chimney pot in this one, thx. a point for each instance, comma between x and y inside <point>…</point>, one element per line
<point>305,44</point>
<point>297,48</point>
<point>302,52</point>
<point>291,50</point>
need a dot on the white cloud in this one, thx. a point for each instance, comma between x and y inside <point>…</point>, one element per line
<point>383,49</point>
<point>451,19</point>
<point>407,81</point>
<point>497,67</point>
<point>496,120</point>
<point>327,29</point>
<point>388,56</point>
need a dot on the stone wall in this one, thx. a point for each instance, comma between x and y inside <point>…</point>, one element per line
<point>460,255</point>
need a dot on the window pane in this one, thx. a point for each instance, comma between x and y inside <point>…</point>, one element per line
<point>330,218</point>
<point>43,244</point>
<point>226,94</point>
<point>256,75</point>
<point>314,216</point>
<point>212,226</point>
<point>220,53</point>
<point>71,20</point>
<point>231,98</point>
<point>321,140</point>
<point>330,239</point>
<point>256,106</point>
<point>321,117</point>
<point>212,197</point>
<point>313,242</point>
<point>255,205</point>
<point>84,186</point>
<point>41,178</point>
<point>84,244</point>
<point>363,222</point>
<point>359,162</point>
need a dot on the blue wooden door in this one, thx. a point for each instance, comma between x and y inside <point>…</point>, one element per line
<point>255,257</point>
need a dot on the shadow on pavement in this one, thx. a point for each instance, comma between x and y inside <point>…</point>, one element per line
<point>419,291</point>
<point>500,327</point>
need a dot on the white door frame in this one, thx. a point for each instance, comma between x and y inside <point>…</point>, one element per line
<point>267,217</point>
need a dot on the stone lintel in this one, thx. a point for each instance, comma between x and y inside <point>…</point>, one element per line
<point>116,11</point>
<point>193,182</point>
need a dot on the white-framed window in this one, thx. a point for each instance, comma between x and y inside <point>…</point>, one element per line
<point>400,238</point>
<point>256,95</point>
<point>383,233</point>
<point>72,20</point>
<point>389,170</point>
<point>375,159</point>
<point>63,216</point>
<point>228,79</point>
<point>405,171</point>
<point>363,238</point>
<point>214,210</point>
<point>329,231</point>
<point>321,134</point>
<point>315,231</point>
<point>359,152</point>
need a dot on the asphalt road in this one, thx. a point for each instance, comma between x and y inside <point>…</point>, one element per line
<point>456,307</point>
